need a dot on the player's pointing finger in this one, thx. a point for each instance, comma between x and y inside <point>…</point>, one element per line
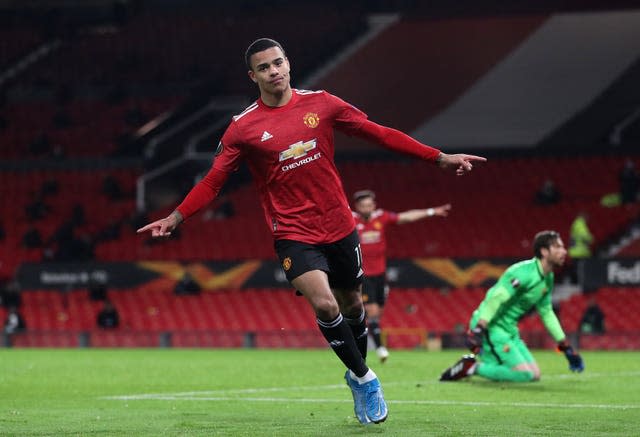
<point>475,158</point>
<point>144,228</point>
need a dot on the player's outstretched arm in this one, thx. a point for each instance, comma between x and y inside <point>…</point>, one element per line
<point>462,162</point>
<point>163,227</point>
<point>441,210</point>
<point>398,141</point>
<point>413,215</point>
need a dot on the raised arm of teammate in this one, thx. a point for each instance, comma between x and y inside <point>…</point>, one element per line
<point>413,215</point>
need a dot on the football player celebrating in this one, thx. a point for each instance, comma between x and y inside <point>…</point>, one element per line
<point>493,336</point>
<point>286,137</point>
<point>371,223</point>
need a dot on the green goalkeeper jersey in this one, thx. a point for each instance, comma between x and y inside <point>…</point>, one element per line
<point>521,287</point>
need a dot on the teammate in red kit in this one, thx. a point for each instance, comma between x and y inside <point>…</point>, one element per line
<point>371,223</point>
<point>286,138</point>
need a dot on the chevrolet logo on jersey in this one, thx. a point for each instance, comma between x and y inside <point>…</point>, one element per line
<point>370,237</point>
<point>298,150</point>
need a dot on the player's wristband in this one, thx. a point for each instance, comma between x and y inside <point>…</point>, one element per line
<point>431,212</point>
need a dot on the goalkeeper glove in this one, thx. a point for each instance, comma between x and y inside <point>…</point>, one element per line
<point>575,360</point>
<point>474,339</point>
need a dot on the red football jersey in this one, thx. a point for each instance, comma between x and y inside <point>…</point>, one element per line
<point>289,151</point>
<point>373,240</point>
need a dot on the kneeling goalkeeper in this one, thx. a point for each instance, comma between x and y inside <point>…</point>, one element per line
<point>499,353</point>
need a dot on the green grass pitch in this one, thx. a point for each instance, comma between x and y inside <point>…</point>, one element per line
<point>164,392</point>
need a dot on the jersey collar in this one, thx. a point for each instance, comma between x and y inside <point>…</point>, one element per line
<point>539,266</point>
<point>294,98</point>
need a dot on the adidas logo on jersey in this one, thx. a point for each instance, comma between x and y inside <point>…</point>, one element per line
<point>266,136</point>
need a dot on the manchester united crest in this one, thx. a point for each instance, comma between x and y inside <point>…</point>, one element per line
<point>311,120</point>
<point>286,264</point>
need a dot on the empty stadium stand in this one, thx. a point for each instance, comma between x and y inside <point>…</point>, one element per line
<point>493,213</point>
<point>81,128</point>
<point>152,316</point>
<point>18,189</point>
<point>66,117</point>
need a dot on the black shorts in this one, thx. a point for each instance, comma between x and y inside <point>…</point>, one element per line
<point>375,289</point>
<point>342,260</point>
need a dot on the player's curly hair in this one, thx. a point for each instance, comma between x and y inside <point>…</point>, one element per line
<point>544,239</point>
<point>260,45</point>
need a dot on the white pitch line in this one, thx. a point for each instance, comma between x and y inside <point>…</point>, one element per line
<point>590,375</point>
<point>403,402</point>
<point>522,404</point>
<point>229,391</point>
<point>587,375</point>
<point>225,395</point>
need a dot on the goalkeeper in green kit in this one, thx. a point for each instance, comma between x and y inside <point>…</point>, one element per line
<point>499,353</point>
